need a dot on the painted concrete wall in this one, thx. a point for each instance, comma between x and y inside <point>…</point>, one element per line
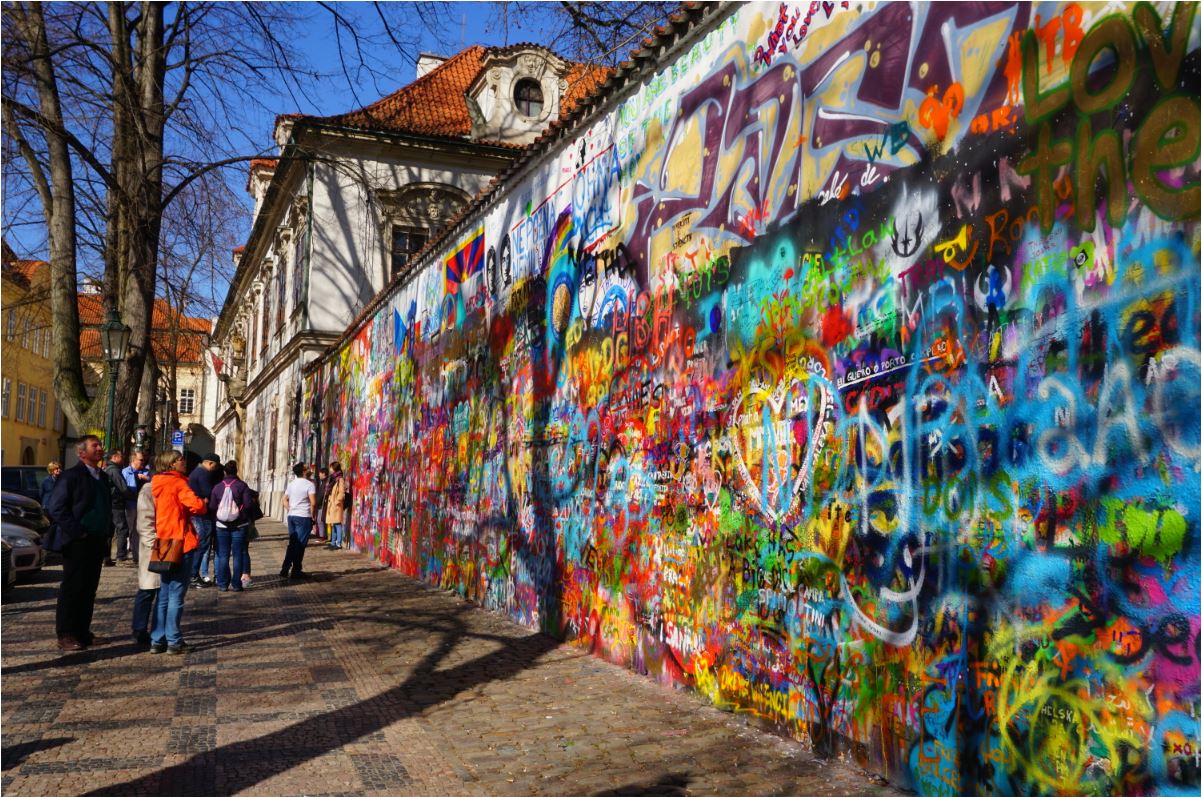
<point>848,373</point>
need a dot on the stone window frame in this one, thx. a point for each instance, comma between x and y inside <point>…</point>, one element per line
<point>419,206</point>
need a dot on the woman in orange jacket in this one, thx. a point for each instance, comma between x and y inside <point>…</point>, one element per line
<point>174,505</point>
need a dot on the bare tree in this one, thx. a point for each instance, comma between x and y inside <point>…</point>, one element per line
<point>115,110</point>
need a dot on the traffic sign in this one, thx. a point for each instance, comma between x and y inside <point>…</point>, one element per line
<point>177,439</point>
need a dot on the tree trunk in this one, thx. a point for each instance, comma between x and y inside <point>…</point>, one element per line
<point>57,192</point>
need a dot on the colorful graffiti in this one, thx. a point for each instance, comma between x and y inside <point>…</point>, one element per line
<point>848,372</point>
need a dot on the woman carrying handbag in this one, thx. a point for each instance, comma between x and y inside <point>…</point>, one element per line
<point>174,548</point>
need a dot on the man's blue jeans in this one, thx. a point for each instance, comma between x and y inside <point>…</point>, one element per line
<point>298,538</point>
<point>204,534</point>
<point>230,541</point>
<point>169,611</point>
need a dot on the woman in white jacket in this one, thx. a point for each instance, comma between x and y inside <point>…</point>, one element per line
<point>148,582</point>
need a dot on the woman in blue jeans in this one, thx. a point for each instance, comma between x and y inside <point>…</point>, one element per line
<point>174,506</point>
<point>233,506</point>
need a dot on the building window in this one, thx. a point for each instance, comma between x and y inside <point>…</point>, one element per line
<point>528,97</point>
<point>46,342</point>
<point>274,440</point>
<point>27,339</point>
<point>298,271</point>
<point>41,408</point>
<point>264,315</point>
<point>20,401</point>
<point>10,326</point>
<point>406,242</point>
<point>280,298</point>
<point>8,389</point>
<point>187,401</point>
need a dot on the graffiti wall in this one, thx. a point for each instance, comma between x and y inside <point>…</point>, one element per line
<point>846,372</point>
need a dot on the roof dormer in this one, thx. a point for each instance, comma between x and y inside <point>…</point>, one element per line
<point>517,93</point>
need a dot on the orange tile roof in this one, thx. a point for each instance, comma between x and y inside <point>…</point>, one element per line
<point>189,346</point>
<point>435,104</point>
<point>91,313</point>
<point>264,163</point>
<point>23,272</point>
<point>431,105</point>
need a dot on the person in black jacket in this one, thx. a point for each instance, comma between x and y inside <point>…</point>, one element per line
<point>81,506</point>
<point>121,493</point>
<point>54,469</point>
<point>232,523</point>
<point>202,480</point>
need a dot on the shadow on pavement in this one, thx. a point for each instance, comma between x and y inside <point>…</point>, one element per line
<point>670,785</point>
<point>427,686</point>
<point>14,755</point>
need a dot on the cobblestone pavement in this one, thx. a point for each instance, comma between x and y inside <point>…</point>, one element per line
<point>358,681</point>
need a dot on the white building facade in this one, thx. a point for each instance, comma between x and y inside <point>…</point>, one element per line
<point>341,213</point>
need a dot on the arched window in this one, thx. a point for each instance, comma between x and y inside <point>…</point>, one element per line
<point>27,456</point>
<point>528,97</point>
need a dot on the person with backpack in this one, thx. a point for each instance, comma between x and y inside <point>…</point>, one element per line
<point>232,507</point>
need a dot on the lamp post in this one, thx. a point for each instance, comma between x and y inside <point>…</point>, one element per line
<point>114,338</point>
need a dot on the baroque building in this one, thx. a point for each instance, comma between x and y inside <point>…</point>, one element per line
<point>343,210</point>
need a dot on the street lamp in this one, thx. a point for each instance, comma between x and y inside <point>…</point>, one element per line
<point>114,338</point>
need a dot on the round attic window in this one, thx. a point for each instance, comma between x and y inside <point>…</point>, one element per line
<point>528,97</point>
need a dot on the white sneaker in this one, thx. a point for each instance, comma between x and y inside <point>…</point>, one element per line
<point>245,580</point>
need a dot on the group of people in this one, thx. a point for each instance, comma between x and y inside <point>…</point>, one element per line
<point>310,500</point>
<point>211,511</point>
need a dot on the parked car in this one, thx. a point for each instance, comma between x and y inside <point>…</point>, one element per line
<point>23,479</point>
<point>26,544</point>
<point>6,559</point>
<point>16,508</point>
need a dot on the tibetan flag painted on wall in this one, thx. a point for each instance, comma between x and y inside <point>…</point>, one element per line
<point>465,262</point>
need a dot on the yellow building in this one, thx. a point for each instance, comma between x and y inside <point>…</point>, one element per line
<point>31,424</point>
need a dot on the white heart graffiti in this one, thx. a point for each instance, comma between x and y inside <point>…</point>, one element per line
<point>775,436</point>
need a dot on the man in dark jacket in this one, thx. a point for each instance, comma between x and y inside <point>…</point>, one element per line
<point>81,505</point>
<point>54,469</point>
<point>120,494</point>
<point>202,480</point>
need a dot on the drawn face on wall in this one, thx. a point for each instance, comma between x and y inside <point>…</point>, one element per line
<point>608,286</point>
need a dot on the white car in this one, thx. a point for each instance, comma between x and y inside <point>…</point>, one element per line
<point>27,553</point>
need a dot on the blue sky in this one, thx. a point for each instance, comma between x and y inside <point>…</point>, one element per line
<point>465,24</point>
<point>377,69</point>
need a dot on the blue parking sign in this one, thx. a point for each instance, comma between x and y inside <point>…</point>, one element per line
<point>177,439</point>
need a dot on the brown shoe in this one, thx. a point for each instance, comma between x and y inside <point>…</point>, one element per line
<point>69,643</point>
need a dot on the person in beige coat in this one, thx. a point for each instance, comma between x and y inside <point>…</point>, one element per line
<point>337,499</point>
<point>148,582</point>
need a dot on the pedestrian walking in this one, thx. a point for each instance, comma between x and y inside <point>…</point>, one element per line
<point>135,476</point>
<point>175,506</point>
<point>299,498</point>
<point>112,470</point>
<point>337,500</point>
<point>148,582</point>
<point>202,480</point>
<point>81,506</point>
<point>252,534</point>
<point>53,469</point>
<point>232,508</point>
